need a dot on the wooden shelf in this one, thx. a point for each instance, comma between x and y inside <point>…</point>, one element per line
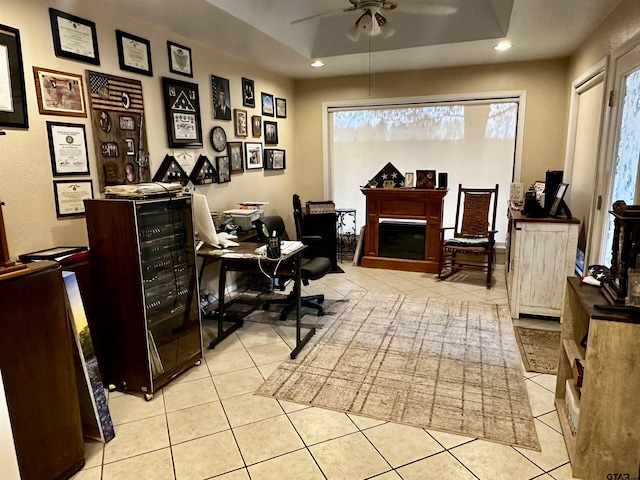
<point>573,351</point>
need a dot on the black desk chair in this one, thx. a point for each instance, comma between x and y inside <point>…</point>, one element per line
<point>312,268</point>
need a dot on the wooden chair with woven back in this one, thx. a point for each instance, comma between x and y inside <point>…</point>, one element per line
<point>473,244</point>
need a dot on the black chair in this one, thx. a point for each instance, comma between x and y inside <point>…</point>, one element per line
<point>312,268</point>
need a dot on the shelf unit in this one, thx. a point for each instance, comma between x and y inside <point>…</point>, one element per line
<point>145,285</point>
<point>607,437</point>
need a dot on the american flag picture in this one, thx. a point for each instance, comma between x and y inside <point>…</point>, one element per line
<point>115,94</point>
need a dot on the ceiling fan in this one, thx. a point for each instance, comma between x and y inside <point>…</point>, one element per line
<point>372,22</point>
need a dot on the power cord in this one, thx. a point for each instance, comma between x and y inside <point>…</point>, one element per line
<point>275,270</point>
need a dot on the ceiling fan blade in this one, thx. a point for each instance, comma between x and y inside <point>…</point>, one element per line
<point>426,8</point>
<point>325,14</point>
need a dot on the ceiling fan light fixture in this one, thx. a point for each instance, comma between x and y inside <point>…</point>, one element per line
<point>317,64</point>
<point>385,27</point>
<point>353,33</point>
<point>365,23</point>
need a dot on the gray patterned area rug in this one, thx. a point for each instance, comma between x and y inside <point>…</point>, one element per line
<point>428,362</point>
<point>540,349</point>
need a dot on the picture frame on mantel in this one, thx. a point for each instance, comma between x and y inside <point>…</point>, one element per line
<point>74,38</point>
<point>13,98</point>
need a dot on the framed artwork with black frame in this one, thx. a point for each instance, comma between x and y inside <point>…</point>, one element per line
<point>270,133</point>
<point>234,149</point>
<point>267,104</point>
<point>221,97</point>
<point>224,171</point>
<point>59,93</point>
<point>253,155</point>
<point>281,108</point>
<point>274,159</point>
<point>68,149</point>
<point>74,38</point>
<point>558,204</point>
<point>70,195</point>
<point>13,98</point>
<point>182,111</point>
<point>240,122</point>
<point>134,53</point>
<point>180,61</point>
<point>248,93</point>
<point>256,126</point>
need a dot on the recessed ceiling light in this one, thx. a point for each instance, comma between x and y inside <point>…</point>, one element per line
<point>504,45</point>
<point>317,64</point>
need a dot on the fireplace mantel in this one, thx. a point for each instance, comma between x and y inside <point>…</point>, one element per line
<point>403,204</point>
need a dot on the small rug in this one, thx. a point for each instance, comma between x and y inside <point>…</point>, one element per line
<point>428,362</point>
<point>540,349</point>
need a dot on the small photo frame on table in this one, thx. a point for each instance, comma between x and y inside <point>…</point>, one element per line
<point>248,93</point>
<point>267,104</point>
<point>224,170</point>
<point>70,195</point>
<point>274,159</point>
<point>270,133</point>
<point>182,111</point>
<point>68,149</point>
<point>134,53</point>
<point>253,155</point>
<point>408,180</point>
<point>240,122</point>
<point>426,179</point>
<point>556,206</point>
<point>13,97</point>
<point>180,59</point>
<point>234,149</point>
<point>59,93</point>
<point>256,126</point>
<point>74,38</point>
<point>281,108</point>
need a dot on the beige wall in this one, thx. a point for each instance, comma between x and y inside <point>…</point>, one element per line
<point>25,169</point>
<point>545,118</point>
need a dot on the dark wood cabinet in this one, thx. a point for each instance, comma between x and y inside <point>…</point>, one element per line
<point>145,291</point>
<point>36,360</point>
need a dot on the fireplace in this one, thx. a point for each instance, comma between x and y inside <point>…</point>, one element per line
<point>401,238</point>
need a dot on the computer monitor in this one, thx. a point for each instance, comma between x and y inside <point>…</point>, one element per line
<point>202,220</point>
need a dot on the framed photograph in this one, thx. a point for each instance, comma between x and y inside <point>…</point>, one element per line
<point>70,195</point>
<point>236,158</point>
<point>253,155</point>
<point>74,37</point>
<point>558,199</point>
<point>248,93</point>
<point>281,108</point>
<point>134,53</point>
<point>59,93</point>
<point>267,104</point>
<point>408,180</point>
<point>180,59</point>
<point>130,147</point>
<point>240,122</point>
<point>270,133</point>
<point>13,98</point>
<point>224,172</point>
<point>274,159</point>
<point>182,110</point>
<point>256,126</point>
<point>221,98</point>
<point>68,149</point>
<point>425,179</point>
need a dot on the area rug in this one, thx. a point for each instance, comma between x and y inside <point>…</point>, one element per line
<point>428,362</point>
<point>540,349</point>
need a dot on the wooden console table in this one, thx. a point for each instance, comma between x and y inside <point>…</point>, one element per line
<point>403,204</point>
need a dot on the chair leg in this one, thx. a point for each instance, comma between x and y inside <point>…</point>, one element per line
<point>306,301</point>
<point>489,265</point>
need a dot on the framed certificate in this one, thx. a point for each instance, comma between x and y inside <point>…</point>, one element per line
<point>68,148</point>
<point>134,53</point>
<point>70,195</point>
<point>74,37</point>
<point>13,99</point>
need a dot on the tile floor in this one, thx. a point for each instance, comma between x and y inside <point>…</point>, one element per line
<point>208,424</point>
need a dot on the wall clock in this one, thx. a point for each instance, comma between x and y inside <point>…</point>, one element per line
<point>218,139</point>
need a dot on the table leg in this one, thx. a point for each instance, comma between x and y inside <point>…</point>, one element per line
<point>237,322</point>
<point>298,293</point>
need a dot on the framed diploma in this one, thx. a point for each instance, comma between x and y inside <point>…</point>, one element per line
<point>182,111</point>
<point>134,53</point>
<point>70,195</point>
<point>74,37</point>
<point>68,148</point>
<point>13,99</point>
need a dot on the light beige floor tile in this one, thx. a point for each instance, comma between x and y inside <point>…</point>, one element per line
<point>206,457</point>
<point>94,473</point>
<point>272,352</point>
<point>189,394</point>
<point>136,438</point>
<point>495,461</point>
<point>198,421</point>
<point>401,444</point>
<point>249,408</point>
<point>531,374</point>
<point>449,440</point>
<point>547,381</point>
<point>242,474</point>
<point>238,382</point>
<point>93,451</point>
<point>266,439</point>
<point>252,327</point>
<point>267,369</point>
<point>254,338</point>
<point>289,407</point>
<point>542,400</point>
<point>551,419</point>
<point>230,361</point>
<point>391,475</point>
<point>365,422</point>
<point>438,467</point>
<point>553,454</point>
<point>130,407</point>
<point>232,342</point>
<point>194,373</point>
<point>562,473</point>
<point>317,425</point>
<point>156,465</point>
<point>349,458</point>
<point>296,465</point>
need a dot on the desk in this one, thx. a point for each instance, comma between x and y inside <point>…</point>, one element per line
<point>244,260</point>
